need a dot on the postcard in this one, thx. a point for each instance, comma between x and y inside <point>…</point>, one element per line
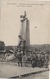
<point>24,39</point>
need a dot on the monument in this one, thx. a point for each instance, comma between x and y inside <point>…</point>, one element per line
<point>24,36</point>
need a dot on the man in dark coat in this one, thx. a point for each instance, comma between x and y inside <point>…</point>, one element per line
<point>34,60</point>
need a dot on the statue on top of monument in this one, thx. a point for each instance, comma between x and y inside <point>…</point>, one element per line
<point>23,17</point>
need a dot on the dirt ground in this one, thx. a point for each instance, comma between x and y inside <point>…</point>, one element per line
<point>7,70</point>
<point>44,75</point>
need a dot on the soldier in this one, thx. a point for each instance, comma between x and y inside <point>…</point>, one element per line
<point>42,59</point>
<point>38,60</point>
<point>24,60</point>
<point>46,60</point>
<point>34,60</point>
<point>19,57</point>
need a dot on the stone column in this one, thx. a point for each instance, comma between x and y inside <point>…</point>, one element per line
<point>24,33</point>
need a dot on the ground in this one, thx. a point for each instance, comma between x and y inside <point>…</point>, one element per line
<point>11,70</point>
<point>44,75</point>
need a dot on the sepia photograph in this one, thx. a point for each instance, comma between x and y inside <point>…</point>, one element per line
<point>24,39</point>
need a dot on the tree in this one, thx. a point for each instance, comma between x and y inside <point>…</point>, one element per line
<point>2,45</point>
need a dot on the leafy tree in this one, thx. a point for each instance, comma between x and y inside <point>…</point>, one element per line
<point>2,45</point>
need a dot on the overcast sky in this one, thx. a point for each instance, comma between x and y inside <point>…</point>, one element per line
<point>38,15</point>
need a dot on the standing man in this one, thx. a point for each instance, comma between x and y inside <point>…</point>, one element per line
<point>46,59</point>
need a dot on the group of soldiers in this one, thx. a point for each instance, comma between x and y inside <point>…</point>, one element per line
<point>36,59</point>
<point>40,60</point>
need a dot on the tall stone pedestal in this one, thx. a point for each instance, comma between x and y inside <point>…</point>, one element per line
<point>24,36</point>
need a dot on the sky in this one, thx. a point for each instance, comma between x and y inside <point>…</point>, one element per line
<point>38,14</point>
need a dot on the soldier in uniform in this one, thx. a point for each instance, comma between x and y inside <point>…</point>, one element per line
<point>42,59</point>
<point>34,60</point>
<point>19,58</point>
<point>46,60</point>
<point>38,60</point>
